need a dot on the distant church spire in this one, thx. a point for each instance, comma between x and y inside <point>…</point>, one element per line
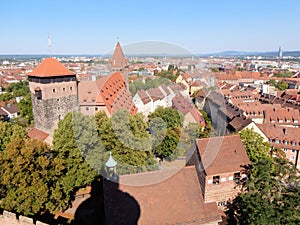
<point>118,61</point>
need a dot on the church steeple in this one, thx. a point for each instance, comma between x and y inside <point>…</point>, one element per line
<point>118,61</point>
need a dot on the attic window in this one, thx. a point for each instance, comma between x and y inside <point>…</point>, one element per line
<point>216,180</point>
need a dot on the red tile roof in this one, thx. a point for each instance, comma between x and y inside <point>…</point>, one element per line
<point>176,199</point>
<point>285,135</point>
<point>37,134</point>
<point>50,67</point>
<point>110,91</point>
<point>222,154</point>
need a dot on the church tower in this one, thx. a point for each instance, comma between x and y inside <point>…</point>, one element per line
<point>53,91</point>
<point>118,62</point>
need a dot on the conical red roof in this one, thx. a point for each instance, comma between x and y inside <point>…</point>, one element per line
<point>118,59</point>
<point>50,67</point>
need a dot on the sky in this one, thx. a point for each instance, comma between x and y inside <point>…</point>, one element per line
<point>93,27</point>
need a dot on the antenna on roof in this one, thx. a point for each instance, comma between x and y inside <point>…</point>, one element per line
<point>49,46</point>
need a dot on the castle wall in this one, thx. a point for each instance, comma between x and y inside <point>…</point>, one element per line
<point>57,99</point>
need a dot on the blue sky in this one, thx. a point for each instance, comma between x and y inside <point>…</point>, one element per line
<point>92,27</point>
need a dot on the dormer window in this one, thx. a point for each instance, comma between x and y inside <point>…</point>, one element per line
<point>293,143</point>
<point>277,141</point>
<point>216,180</point>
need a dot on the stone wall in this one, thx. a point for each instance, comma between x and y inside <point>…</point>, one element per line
<point>9,218</point>
<point>47,112</point>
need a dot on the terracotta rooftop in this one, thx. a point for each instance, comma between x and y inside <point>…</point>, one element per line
<point>222,154</point>
<point>51,67</point>
<point>109,91</point>
<point>287,137</point>
<point>37,134</point>
<point>175,200</point>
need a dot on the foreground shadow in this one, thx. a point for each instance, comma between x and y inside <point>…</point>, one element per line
<point>107,205</point>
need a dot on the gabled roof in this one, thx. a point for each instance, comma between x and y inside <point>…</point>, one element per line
<point>109,91</point>
<point>177,199</point>
<point>50,67</point>
<point>222,154</point>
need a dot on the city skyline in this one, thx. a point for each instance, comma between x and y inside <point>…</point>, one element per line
<point>197,26</point>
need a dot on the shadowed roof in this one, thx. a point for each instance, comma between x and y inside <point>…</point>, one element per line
<point>177,199</point>
<point>51,67</point>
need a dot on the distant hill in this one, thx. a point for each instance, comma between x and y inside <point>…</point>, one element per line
<point>263,54</point>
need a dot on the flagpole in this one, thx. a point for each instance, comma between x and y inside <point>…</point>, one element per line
<point>49,46</point>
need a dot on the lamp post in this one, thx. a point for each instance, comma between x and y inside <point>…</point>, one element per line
<point>111,165</point>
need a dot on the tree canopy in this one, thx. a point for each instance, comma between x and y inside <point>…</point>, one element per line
<point>127,137</point>
<point>26,176</point>
<point>255,147</point>
<point>271,194</point>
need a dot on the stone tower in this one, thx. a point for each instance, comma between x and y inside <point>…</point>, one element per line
<point>53,91</point>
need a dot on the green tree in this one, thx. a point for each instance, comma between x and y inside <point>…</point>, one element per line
<point>126,136</point>
<point>171,117</point>
<point>271,195</point>
<point>76,151</point>
<point>166,127</point>
<point>26,176</point>
<point>8,132</point>
<point>256,148</point>
<point>26,113</point>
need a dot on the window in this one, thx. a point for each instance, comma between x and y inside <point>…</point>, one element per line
<point>293,151</point>
<point>96,108</point>
<point>64,89</point>
<point>216,179</point>
<point>293,143</point>
<point>277,141</point>
<point>38,94</point>
<point>295,121</point>
<point>285,149</point>
<point>71,88</point>
<point>57,99</point>
<point>292,157</point>
<point>87,109</point>
<point>285,142</point>
<point>224,203</point>
<point>236,178</point>
<point>59,117</point>
<point>53,90</point>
